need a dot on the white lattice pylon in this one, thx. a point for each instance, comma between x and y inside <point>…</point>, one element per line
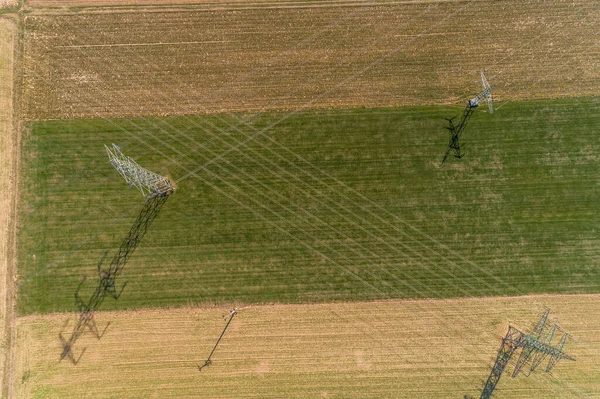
<point>149,183</point>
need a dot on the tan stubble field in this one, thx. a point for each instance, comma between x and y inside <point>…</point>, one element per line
<point>282,56</point>
<point>8,182</point>
<point>400,349</point>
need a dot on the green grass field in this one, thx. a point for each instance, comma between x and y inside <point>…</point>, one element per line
<point>262,225</point>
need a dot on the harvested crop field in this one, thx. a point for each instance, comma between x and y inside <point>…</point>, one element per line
<point>218,58</point>
<point>305,140</point>
<point>412,349</point>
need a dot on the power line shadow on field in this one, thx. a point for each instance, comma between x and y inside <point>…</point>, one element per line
<point>228,317</point>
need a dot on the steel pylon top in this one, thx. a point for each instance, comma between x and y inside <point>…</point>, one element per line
<point>535,347</point>
<point>483,95</point>
<point>149,183</point>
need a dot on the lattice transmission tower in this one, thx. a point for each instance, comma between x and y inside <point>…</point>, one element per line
<point>157,190</point>
<point>149,183</point>
<point>457,130</point>
<point>535,346</point>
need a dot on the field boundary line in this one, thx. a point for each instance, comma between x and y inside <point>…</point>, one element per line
<point>9,175</point>
<point>142,44</point>
<point>136,6</point>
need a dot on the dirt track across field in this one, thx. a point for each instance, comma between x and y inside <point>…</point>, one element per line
<point>287,56</point>
<point>214,3</point>
<point>120,3</point>
<point>402,349</point>
<point>8,182</point>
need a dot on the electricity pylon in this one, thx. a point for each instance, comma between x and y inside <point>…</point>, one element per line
<point>149,183</point>
<point>157,190</point>
<point>483,95</point>
<point>536,345</point>
<point>457,130</point>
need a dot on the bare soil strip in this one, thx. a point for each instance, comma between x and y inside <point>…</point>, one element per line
<point>8,182</point>
<point>400,349</point>
<point>282,57</point>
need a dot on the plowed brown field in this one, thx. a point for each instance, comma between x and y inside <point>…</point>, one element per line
<point>216,58</point>
<point>400,349</point>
